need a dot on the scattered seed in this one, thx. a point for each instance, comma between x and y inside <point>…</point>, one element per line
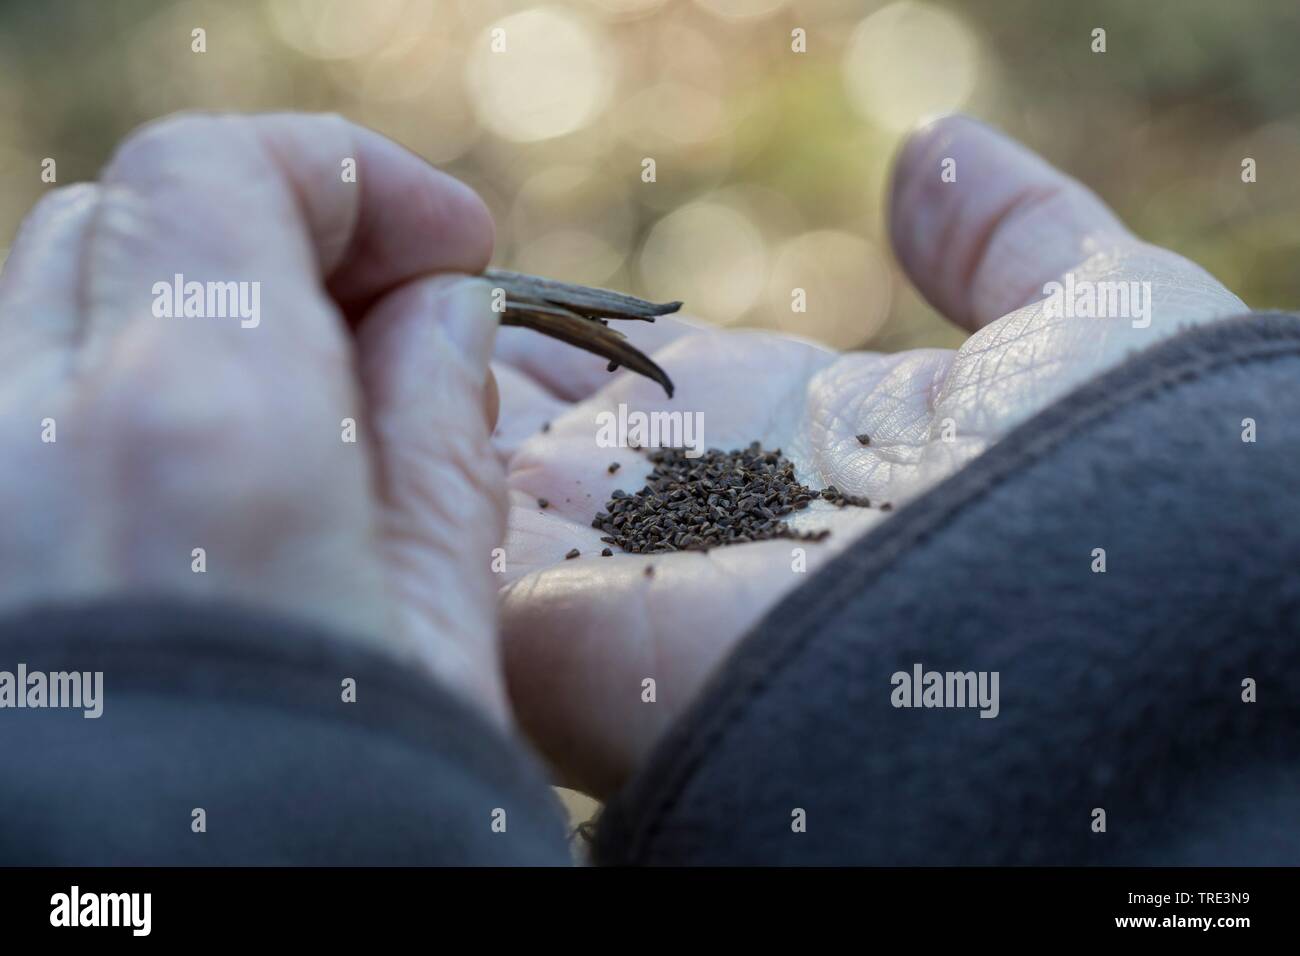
<point>855,501</point>
<point>864,439</point>
<point>719,498</point>
<point>572,554</point>
<point>606,553</point>
<point>543,503</point>
<point>886,507</point>
<point>614,467</point>
<point>546,427</point>
<point>649,570</point>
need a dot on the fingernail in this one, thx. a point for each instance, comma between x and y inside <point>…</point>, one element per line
<point>465,313</point>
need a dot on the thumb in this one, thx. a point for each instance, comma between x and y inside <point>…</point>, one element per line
<point>983,241</point>
<point>423,355</point>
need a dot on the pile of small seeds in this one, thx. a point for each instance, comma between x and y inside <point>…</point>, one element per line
<point>719,498</point>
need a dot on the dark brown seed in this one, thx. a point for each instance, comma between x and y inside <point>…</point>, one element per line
<point>606,553</point>
<point>719,498</point>
<point>572,554</point>
<point>864,439</point>
<point>546,427</point>
<point>649,570</point>
<point>614,467</point>
<point>856,501</point>
<point>886,507</point>
<point>543,503</point>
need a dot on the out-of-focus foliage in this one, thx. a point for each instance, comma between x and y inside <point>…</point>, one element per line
<point>770,164</point>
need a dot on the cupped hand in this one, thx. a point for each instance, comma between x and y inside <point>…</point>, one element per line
<point>210,457</point>
<point>582,636</point>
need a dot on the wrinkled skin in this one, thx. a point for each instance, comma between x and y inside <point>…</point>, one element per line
<point>581,635</point>
<point>183,433</point>
<point>174,434</point>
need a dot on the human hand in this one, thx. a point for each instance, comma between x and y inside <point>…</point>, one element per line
<point>581,635</point>
<point>228,434</point>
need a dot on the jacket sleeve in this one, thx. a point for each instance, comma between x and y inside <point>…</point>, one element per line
<point>231,737</point>
<point>1146,714</point>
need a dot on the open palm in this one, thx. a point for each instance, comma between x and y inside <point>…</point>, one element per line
<point>582,635</point>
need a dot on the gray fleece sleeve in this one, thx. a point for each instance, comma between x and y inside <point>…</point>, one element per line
<point>232,737</point>
<point>1147,713</point>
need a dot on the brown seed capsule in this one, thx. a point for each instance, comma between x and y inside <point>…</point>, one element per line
<point>543,503</point>
<point>579,316</point>
<point>572,554</point>
<point>864,439</point>
<point>606,553</point>
<point>614,466</point>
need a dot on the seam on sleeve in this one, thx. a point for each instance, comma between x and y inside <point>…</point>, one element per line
<point>790,628</point>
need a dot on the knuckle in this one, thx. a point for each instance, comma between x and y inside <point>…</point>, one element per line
<point>153,147</point>
<point>63,199</point>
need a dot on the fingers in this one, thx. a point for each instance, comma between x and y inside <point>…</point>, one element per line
<point>197,200</point>
<point>363,212</point>
<point>400,219</point>
<point>424,352</point>
<point>270,204</point>
<point>985,243</point>
<point>39,289</point>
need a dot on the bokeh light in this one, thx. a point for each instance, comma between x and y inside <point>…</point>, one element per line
<point>710,254</point>
<point>336,29</point>
<point>624,8</point>
<point>742,9</point>
<point>910,60</point>
<point>573,221</point>
<point>550,74</point>
<point>773,166</point>
<point>847,283</point>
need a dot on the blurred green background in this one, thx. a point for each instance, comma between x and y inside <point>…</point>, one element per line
<point>771,165</point>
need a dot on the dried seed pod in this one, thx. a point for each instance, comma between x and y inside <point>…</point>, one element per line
<point>579,315</point>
